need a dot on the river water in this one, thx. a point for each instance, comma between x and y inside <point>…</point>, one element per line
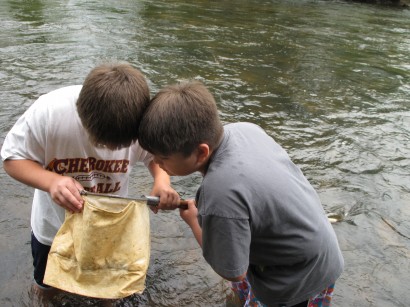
<point>328,80</point>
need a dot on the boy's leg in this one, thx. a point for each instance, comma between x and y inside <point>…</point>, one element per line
<point>40,254</point>
<point>42,292</point>
<point>244,291</point>
<point>323,299</point>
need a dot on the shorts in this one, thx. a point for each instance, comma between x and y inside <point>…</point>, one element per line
<point>245,294</point>
<point>40,254</point>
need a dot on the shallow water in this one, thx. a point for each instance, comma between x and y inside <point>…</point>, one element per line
<point>328,80</point>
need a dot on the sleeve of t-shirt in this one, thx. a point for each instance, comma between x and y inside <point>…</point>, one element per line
<point>141,155</point>
<point>26,138</point>
<point>226,244</point>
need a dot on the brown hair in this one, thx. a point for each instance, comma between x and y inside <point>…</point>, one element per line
<point>179,118</point>
<point>111,103</point>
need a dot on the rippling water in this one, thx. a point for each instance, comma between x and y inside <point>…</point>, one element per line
<point>328,80</point>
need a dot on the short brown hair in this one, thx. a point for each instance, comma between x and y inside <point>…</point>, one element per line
<point>111,103</point>
<point>179,118</point>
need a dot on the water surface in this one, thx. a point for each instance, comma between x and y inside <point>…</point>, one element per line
<point>328,80</point>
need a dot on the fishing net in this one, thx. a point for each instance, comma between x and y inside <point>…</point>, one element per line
<point>103,251</point>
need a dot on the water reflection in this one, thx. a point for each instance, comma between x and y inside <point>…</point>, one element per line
<point>328,80</point>
<point>27,11</point>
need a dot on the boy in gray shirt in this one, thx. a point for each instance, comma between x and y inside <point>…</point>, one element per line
<point>257,218</point>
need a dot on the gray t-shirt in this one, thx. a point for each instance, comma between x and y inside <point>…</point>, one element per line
<point>260,214</point>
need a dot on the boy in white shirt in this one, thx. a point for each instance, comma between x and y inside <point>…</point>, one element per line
<point>81,138</point>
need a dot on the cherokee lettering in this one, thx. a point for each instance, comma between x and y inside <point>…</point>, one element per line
<point>124,167</point>
<point>74,166</point>
<point>107,166</point>
<point>99,166</point>
<point>81,165</point>
<point>83,168</point>
<point>91,163</point>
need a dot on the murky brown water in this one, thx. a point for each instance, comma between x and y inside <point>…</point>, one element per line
<point>328,80</point>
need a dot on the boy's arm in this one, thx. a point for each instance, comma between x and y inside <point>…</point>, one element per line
<point>63,190</point>
<point>168,197</point>
<point>190,216</point>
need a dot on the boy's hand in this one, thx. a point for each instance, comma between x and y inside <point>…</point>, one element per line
<point>190,215</point>
<point>65,191</point>
<point>168,198</point>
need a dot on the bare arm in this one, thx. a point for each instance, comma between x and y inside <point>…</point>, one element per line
<point>63,190</point>
<point>169,198</point>
<point>190,216</point>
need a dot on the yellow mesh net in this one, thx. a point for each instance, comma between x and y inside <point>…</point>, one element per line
<point>103,251</point>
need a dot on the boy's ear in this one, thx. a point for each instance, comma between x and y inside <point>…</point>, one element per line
<point>203,152</point>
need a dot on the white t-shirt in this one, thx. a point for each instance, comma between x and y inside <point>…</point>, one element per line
<point>50,132</point>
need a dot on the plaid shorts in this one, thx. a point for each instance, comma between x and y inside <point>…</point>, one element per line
<point>245,294</point>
